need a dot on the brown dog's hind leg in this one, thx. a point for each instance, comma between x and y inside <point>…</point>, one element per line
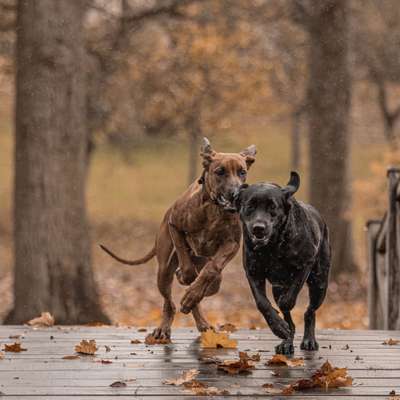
<point>167,264</point>
<point>201,323</point>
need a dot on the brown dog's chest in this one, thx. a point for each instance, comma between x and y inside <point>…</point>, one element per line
<point>206,240</point>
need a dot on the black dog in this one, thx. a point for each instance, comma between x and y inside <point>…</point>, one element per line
<point>286,242</point>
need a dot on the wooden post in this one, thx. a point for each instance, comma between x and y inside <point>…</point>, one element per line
<point>392,301</point>
<point>372,228</point>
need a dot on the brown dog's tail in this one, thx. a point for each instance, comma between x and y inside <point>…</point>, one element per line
<point>139,261</point>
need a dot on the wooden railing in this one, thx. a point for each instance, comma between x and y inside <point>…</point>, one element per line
<point>383,243</point>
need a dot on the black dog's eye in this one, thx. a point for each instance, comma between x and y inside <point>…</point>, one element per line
<point>220,171</point>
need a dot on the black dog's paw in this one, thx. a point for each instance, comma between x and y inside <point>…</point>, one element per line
<point>309,344</point>
<point>286,348</point>
<point>279,327</point>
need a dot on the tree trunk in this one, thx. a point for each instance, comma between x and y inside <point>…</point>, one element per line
<point>329,98</point>
<point>52,247</point>
<point>295,140</point>
<point>194,149</point>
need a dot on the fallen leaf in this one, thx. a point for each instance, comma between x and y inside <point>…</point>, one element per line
<point>45,319</point>
<point>95,323</point>
<point>194,384</point>
<point>243,365</point>
<point>217,340</point>
<point>186,377</point>
<point>104,361</point>
<point>135,341</point>
<point>1,355</point>
<point>209,391</point>
<point>393,396</point>
<point>118,384</point>
<point>14,348</point>
<point>280,359</point>
<point>86,347</point>
<point>287,390</point>
<point>270,389</point>
<point>391,342</point>
<point>253,357</point>
<point>142,330</point>
<point>72,357</point>
<point>108,348</point>
<point>151,340</point>
<point>326,377</point>
<point>228,327</point>
<point>14,337</point>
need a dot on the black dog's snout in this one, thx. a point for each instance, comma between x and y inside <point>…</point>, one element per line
<point>258,230</point>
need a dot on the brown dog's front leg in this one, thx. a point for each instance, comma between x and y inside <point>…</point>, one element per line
<point>209,276</point>
<point>186,272</point>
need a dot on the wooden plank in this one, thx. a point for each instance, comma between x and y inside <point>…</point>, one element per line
<point>173,391</point>
<point>41,372</point>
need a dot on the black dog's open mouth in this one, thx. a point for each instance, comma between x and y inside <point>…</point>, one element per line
<point>259,242</point>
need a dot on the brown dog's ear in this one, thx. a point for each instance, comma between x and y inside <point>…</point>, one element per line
<point>249,154</point>
<point>207,152</point>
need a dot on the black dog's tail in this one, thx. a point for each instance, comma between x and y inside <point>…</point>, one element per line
<point>139,261</point>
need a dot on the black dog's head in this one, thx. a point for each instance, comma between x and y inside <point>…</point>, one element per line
<point>263,208</point>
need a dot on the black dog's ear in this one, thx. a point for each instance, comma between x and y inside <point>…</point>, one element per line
<point>293,185</point>
<point>249,153</point>
<point>238,197</point>
<point>207,153</point>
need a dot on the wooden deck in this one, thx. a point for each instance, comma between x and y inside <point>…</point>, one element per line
<point>41,372</point>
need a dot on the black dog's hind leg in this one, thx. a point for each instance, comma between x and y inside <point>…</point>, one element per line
<point>317,285</point>
<point>286,347</point>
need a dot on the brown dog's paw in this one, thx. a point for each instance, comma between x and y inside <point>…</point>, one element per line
<point>162,333</point>
<point>192,297</point>
<point>185,277</point>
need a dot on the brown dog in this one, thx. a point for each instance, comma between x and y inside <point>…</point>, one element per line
<point>199,235</point>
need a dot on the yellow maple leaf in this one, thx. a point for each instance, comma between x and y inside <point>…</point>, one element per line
<point>217,340</point>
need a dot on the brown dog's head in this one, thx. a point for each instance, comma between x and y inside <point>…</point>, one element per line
<point>224,173</point>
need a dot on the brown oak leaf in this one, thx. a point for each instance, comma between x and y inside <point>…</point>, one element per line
<point>118,384</point>
<point>135,341</point>
<point>86,347</point>
<point>14,348</point>
<point>391,342</point>
<point>72,357</point>
<point>243,365</point>
<point>280,359</point>
<point>186,377</point>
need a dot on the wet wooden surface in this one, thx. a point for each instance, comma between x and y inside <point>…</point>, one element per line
<point>42,373</point>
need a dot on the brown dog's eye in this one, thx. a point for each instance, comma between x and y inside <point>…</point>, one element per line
<point>242,172</point>
<point>220,171</point>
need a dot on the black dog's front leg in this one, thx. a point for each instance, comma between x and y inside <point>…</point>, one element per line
<point>278,326</point>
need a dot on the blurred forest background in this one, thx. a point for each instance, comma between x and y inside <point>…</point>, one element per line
<point>102,107</point>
